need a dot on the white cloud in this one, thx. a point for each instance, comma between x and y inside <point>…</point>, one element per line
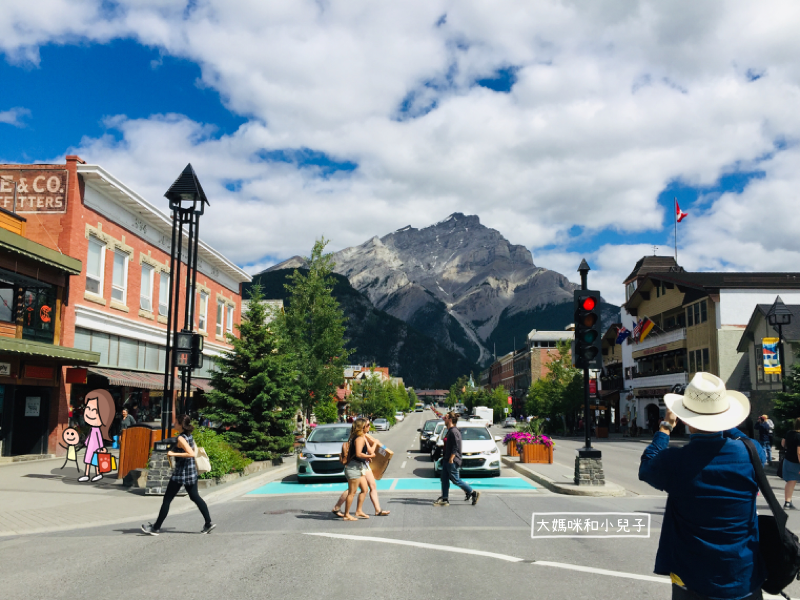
<point>613,101</point>
<point>14,116</point>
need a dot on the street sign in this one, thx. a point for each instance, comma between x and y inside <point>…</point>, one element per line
<point>509,399</point>
<point>593,386</point>
<point>505,410</point>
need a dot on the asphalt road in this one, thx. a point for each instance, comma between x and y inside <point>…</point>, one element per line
<point>291,546</point>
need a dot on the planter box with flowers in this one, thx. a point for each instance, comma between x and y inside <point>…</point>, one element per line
<point>530,448</point>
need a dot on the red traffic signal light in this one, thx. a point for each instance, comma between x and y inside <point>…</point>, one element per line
<point>586,351</point>
<point>589,304</point>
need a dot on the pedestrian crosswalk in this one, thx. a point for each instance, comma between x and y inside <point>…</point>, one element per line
<point>407,484</point>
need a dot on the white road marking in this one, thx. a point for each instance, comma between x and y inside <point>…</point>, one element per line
<point>394,484</point>
<point>403,466</point>
<point>362,538</point>
<point>505,557</point>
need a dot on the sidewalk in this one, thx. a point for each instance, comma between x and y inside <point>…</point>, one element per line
<point>559,479</point>
<point>40,497</point>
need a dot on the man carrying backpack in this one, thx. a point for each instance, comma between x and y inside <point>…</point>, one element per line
<point>709,544</point>
<point>765,427</point>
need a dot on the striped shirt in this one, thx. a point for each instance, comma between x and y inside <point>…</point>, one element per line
<point>185,471</point>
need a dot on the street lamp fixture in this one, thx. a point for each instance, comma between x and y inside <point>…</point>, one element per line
<point>778,316</point>
<point>187,201</point>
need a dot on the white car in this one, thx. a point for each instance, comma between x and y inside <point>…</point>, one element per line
<point>399,416</point>
<point>433,441</point>
<point>381,424</point>
<point>479,451</point>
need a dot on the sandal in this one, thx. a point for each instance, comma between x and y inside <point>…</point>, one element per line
<point>383,513</point>
<point>362,516</point>
<point>338,513</point>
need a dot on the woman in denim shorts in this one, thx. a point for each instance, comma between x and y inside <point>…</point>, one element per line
<point>358,456</point>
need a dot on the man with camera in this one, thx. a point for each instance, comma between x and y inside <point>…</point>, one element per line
<point>709,543</point>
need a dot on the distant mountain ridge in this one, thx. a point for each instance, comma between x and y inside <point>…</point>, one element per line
<point>461,283</point>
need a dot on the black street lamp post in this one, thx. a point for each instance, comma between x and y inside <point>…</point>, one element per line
<point>778,316</point>
<point>184,348</point>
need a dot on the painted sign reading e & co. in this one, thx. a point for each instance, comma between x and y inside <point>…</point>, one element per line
<point>36,190</point>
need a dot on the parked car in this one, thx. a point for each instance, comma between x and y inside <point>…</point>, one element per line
<point>319,457</point>
<point>433,441</point>
<point>425,433</point>
<point>381,425</point>
<point>399,416</point>
<point>510,422</point>
<point>479,451</point>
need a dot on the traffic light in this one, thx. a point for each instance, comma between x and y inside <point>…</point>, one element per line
<point>188,350</point>
<point>587,348</point>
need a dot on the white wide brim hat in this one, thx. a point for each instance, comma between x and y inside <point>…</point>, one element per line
<point>706,404</point>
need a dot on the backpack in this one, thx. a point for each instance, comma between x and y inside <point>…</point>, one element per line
<point>343,458</point>
<point>779,547</point>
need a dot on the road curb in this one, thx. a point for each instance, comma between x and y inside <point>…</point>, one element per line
<point>569,489</point>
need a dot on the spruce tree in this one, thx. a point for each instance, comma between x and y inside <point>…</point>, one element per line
<point>255,387</point>
<point>315,325</point>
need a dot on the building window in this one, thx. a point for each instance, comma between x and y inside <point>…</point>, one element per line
<point>203,312</point>
<point>119,279</point>
<point>706,360</point>
<point>146,294</point>
<point>7,295</point>
<point>230,319</point>
<point>703,311</point>
<point>163,294</point>
<point>95,264</point>
<point>220,317</point>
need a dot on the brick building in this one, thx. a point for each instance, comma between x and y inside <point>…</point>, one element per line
<point>117,305</point>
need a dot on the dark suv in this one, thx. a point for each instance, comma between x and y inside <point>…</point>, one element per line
<point>425,434</point>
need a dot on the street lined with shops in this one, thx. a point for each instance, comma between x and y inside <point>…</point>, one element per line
<point>287,544</point>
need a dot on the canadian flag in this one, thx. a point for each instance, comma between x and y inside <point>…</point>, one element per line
<point>679,214</point>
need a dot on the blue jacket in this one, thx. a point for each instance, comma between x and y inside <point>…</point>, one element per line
<point>709,537</point>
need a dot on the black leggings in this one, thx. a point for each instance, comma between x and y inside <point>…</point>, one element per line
<point>173,487</point>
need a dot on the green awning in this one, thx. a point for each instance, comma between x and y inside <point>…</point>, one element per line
<point>20,245</point>
<point>68,356</point>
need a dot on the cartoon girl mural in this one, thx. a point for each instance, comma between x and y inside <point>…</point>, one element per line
<point>98,414</point>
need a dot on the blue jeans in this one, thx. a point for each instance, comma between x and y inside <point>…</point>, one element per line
<point>450,473</point>
<point>767,450</point>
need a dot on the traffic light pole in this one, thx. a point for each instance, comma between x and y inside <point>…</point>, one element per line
<point>588,462</point>
<point>586,424</point>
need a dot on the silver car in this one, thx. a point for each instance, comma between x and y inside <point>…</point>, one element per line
<point>320,456</point>
<point>381,424</point>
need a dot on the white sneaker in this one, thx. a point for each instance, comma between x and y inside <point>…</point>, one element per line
<point>97,477</point>
<point>83,478</point>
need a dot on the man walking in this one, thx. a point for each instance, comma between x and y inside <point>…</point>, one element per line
<point>451,463</point>
<point>764,428</point>
<point>709,536</point>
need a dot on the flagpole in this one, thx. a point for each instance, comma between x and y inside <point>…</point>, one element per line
<point>676,230</point>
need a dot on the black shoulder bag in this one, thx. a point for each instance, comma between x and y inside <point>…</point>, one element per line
<point>779,547</point>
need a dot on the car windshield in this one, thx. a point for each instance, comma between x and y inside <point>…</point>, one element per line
<point>380,421</point>
<point>438,430</point>
<point>327,435</point>
<point>429,426</point>
<point>475,433</point>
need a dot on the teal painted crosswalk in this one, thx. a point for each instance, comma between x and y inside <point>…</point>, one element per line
<point>409,484</point>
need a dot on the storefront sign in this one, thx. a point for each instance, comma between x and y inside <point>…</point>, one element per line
<point>659,349</point>
<point>32,405</point>
<point>592,386</point>
<point>35,372</point>
<point>37,190</point>
<point>5,369</point>
<point>77,375</point>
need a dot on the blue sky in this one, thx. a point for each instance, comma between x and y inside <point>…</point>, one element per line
<point>569,130</point>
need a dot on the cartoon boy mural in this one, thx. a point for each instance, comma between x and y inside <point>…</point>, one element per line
<point>72,440</point>
<point>98,414</point>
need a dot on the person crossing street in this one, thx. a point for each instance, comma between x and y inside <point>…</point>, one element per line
<point>451,463</point>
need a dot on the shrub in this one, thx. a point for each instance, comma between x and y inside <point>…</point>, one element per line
<point>224,457</point>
